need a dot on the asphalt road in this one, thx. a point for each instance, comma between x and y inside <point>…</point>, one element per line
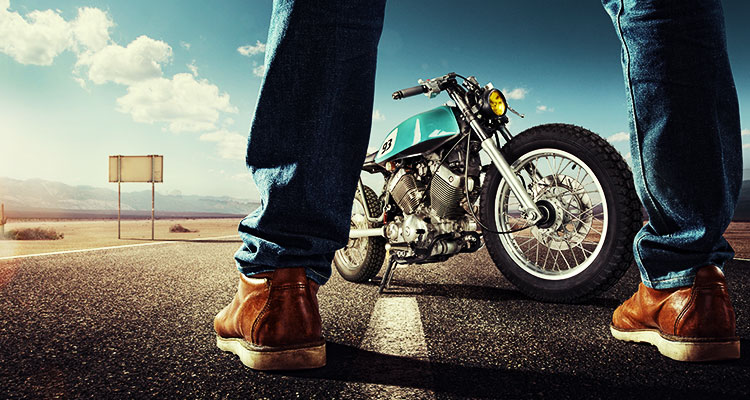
<point>137,322</point>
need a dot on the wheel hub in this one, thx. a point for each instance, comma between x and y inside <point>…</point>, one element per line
<point>562,199</point>
<point>548,214</point>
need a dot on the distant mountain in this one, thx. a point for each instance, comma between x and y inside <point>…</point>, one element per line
<point>36,195</point>
<point>41,194</point>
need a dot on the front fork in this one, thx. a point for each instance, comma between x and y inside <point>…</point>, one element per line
<point>529,209</point>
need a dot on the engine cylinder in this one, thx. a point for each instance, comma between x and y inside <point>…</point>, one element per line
<point>406,193</point>
<point>445,193</point>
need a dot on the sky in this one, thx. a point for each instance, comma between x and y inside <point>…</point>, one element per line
<point>84,79</point>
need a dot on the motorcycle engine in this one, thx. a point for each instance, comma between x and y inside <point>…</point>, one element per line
<point>446,189</point>
<point>442,216</point>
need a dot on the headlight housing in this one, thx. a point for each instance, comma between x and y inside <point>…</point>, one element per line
<point>493,103</point>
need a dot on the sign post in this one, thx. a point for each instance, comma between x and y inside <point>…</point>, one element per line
<point>3,220</point>
<point>136,169</point>
<point>152,197</point>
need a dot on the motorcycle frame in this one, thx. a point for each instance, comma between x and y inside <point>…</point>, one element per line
<point>530,211</point>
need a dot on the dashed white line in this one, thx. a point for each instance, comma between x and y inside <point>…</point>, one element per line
<point>396,329</point>
<point>114,247</point>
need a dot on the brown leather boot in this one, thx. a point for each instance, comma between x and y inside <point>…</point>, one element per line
<point>686,324</point>
<point>273,322</point>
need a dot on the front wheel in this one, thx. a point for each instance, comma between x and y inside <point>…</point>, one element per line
<point>362,258</point>
<point>586,245</point>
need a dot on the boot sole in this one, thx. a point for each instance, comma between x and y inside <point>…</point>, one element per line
<point>682,350</point>
<point>269,360</point>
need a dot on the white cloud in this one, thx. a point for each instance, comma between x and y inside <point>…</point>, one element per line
<point>139,61</point>
<point>193,68</point>
<point>542,108</point>
<point>250,50</point>
<point>259,71</point>
<point>745,132</point>
<point>746,146</point>
<point>91,29</point>
<point>378,116</point>
<point>515,94</point>
<point>185,45</point>
<point>36,39</point>
<point>230,145</point>
<point>186,104</point>
<point>43,35</point>
<point>619,137</point>
<point>81,82</point>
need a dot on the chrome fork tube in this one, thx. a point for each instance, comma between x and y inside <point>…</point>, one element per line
<point>528,207</point>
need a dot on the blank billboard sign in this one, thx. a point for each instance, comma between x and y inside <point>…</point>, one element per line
<point>136,168</point>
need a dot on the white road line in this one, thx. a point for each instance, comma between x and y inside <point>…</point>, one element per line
<point>396,329</point>
<point>114,247</point>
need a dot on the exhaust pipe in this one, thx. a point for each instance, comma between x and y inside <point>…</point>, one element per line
<point>361,233</point>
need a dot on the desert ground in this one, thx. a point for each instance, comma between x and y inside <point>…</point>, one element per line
<point>87,234</point>
<point>738,236</point>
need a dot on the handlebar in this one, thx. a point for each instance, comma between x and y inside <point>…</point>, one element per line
<point>431,87</point>
<point>408,92</point>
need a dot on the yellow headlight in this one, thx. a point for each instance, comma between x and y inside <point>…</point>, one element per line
<point>497,103</point>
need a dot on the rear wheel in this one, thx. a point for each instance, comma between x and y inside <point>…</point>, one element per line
<point>586,246</point>
<point>362,258</point>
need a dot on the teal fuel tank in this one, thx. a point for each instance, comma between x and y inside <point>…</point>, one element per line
<point>419,134</point>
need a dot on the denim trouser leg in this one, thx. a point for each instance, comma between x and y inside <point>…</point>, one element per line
<point>685,138</point>
<point>310,131</point>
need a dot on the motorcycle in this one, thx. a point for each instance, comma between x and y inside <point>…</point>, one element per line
<point>557,208</point>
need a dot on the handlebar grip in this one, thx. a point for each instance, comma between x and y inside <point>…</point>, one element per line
<point>408,92</point>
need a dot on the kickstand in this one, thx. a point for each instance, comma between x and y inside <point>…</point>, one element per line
<point>385,283</point>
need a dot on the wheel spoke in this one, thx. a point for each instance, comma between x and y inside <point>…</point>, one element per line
<point>562,254</point>
<point>575,192</point>
<point>572,252</point>
<point>559,171</point>
<point>528,240</point>
<point>556,255</point>
<point>545,257</point>
<point>581,221</point>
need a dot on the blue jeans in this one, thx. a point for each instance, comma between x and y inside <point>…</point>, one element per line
<point>685,133</point>
<point>312,122</point>
<point>309,136</point>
